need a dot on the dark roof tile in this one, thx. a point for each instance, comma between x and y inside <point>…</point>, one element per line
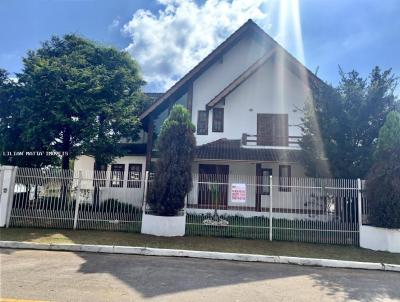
<point>226,149</point>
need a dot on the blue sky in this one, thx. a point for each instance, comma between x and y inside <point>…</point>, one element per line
<point>355,34</point>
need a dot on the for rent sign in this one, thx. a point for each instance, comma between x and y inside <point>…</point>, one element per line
<point>238,193</point>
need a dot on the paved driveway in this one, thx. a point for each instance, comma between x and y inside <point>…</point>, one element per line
<point>66,276</point>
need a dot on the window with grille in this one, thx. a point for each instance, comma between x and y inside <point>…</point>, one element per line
<point>134,176</point>
<point>99,175</point>
<point>117,175</point>
<point>218,120</point>
<point>202,122</point>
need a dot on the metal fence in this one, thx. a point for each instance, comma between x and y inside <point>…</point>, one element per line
<point>292,209</point>
<point>55,198</point>
<point>241,206</point>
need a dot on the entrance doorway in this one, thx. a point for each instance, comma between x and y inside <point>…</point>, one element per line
<point>213,185</point>
<point>263,184</point>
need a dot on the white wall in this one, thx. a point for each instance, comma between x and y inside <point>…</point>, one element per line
<point>7,177</point>
<point>220,74</point>
<point>245,172</point>
<point>123,194</point>
<point>380,239</point>
<point>272,89</point>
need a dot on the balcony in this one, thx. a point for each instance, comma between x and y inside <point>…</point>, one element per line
<point>253,141</point>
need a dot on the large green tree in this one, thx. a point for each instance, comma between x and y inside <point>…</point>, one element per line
<point>79,97</point>
<point>173,178</point>
<point>13,117</point>
<point>383,183</point>
<point>341,124</point>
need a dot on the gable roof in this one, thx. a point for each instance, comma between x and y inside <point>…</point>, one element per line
<point>241,78</point>
<point>248,27</point>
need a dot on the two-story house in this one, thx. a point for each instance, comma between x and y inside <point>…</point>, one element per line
<point>244,99</point>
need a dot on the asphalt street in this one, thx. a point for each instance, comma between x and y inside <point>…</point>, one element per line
<point>66,276</point>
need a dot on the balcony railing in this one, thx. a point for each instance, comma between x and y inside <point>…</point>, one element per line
<point>251,140</point>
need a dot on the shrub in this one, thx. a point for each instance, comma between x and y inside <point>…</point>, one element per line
<point>383,183</point>
<point>111,205</point>
<point>173,178</point>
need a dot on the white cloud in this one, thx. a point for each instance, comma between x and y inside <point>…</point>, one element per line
<point>114,24</point>
<point>167,44</point>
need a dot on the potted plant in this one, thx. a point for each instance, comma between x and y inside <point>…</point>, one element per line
<point>173,178</point>
<point>383,191</point>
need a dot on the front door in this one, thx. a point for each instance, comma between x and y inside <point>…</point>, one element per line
<point>263,184</point>
<point>213,185</point>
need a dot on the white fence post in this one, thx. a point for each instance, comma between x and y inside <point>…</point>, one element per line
<point>6,194</point>
<point>270,208</point>
<point>359,203</point>
<point>146,186</point>
<point>78,195</point>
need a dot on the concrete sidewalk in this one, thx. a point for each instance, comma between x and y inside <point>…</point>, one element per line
<point>111,249</point>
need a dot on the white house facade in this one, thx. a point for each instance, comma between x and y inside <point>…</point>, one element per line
<point>245,100</point>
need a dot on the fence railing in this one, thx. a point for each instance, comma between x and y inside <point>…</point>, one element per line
<point>71,199</point>
<point>294,209</point>
<point>226,205</point>
<point>288,141</point>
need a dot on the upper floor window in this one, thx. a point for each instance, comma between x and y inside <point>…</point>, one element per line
<point>218,120</point>
<point>202,122</point>
<point>117,175</point>
<point>134,175</point>
<point>272,129</point>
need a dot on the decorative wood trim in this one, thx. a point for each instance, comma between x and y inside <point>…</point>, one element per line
<point>204,64</point>
<point>241,78</point>
<point>190,99</point>
<point>149,146</point>
<point>248,28</point>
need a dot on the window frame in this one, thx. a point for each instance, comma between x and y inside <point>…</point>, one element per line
<point>221,110</point>
<point>99,175</point>
<point>285,187</point>
<point>118,183</point>
<point>268,185</point>
<point>278,129</point>
<point>206,122</point>
<point>131,182</point>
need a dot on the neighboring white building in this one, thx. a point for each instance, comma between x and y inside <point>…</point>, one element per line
<point>244,99</point>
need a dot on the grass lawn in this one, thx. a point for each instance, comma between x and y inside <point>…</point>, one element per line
<point>263,247</point>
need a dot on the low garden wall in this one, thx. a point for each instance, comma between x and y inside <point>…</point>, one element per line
<point>380,239</point>
<point>167,226</point>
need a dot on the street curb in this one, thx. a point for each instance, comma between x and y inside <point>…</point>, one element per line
<point>146,251</point>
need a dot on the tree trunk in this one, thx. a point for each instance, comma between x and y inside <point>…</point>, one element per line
<point>98,163</point>
<point>66,145</point>
<point>96,191</point>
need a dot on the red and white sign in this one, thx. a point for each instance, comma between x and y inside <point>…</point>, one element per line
<point>238,193</point>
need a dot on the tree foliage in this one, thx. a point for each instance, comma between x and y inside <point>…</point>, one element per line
<point>173,178</point>
<point>78,97</point>
<point>383,184</point>
<point>341,125</point>
<point>13,116</point>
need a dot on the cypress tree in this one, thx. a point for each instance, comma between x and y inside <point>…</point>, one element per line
<point>173,179</point>
<point>383,184</point>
